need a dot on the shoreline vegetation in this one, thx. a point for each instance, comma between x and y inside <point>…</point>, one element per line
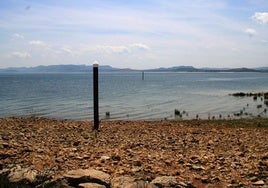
<point>42,152</point>
<point>262,96</point>
<point>261,107</point>
<point>254,95</point>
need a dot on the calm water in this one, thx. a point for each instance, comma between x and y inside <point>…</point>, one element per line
<point>127,96</point>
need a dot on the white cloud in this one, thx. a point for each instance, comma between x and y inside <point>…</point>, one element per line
<point>261,17</point>
<point>20,55</point>
<point>113,49</point>
<point>122,48</point>
<point>37,43</point>
<point>251,32</point>
<point>140,46</point>
<point>17,36</point>
<point>67,50</point>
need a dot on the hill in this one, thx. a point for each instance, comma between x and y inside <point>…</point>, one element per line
<point>56,68</point>
<point>108,68</point>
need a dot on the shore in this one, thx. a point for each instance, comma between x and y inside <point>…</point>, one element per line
<point>199,153</point>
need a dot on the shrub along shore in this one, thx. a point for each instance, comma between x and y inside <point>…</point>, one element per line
<point>37,151</point>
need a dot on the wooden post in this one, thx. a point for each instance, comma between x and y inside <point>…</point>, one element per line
<point>96,95</point>
<point>142,75</point>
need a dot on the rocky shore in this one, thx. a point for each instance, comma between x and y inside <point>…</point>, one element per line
<point>40,152</point>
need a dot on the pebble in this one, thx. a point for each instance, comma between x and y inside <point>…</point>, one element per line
<point>121,181</point>
<point>260,182</point>
<point>91,185</point>
<point>165,181</point>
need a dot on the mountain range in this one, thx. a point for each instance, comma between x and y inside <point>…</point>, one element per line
<point>108,68</point>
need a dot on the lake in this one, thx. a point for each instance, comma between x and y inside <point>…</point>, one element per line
<point>127,97</point>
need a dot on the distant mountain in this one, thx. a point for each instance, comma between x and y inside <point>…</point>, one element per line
<point>262,69</point>
<point>228,70</point>
<point>193,69</point>
<point>241,70</point>
<point>175,69</point>
<point>56,68</point>
<point>88,68</point>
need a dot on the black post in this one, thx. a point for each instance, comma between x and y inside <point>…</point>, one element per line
<point>142,75</point>
<point>96,95</point>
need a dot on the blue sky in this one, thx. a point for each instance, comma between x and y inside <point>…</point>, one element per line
<point>134,34</point>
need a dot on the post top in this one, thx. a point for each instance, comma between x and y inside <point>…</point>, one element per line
<point>95,65</point>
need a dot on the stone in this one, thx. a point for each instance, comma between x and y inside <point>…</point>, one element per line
<point>3,175</point>
<point>91,185</point>
<point>104,158</point>
<point>210,142</point>
<point>136,169</point>
<point>121,181</point>
<point>78,176</point>
<point>165,181</point>
<point>196,167</point>
<point>58,183</point>
<point>182,184</point>
<point>19,174</point>
<point>260,182</point>
<point>140,184</point>
<point>253,179</point>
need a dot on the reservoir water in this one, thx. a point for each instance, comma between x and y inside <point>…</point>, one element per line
<point>126,96</point>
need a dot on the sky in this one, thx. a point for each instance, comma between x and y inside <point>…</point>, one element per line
<point>134,34</point>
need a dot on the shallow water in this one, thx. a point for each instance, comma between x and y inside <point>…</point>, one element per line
<point>126,96</point>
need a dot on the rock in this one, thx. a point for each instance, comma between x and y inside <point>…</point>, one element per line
<point>91,185</point>
<point>3,175</point>
<point>137,163</point>
<point>210,142</point>
<point>85,136</point>
<point>196,132</point>
<point>75,177</point>
<point>140,184</point>
<point>165,181</point>
<point>182,184</point>
<point>19,174</point>
<point>122,181</point>
<point>196,167</point>
<point>253,179</point>
<point>104,158</point>
<point>260,182</point>
<point>5,145</point>
<point>187,185</point>
<point>136,169</point>
<point>116,158</point>
<point>58,183</point>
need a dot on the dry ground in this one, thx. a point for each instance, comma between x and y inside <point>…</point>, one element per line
<point>201,152</point>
